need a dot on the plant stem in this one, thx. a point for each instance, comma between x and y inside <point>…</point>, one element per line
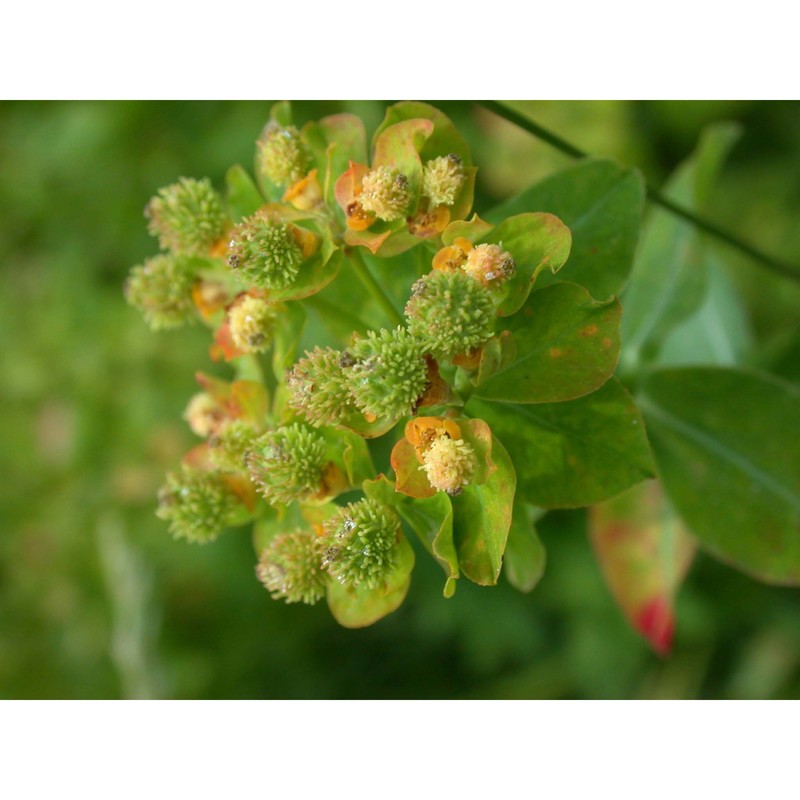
<point>373,287</point>
<point>776,265</point>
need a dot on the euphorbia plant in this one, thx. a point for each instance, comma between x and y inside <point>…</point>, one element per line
<point>400,367</point>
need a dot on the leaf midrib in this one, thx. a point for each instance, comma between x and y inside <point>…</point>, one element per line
<point>723,451</point>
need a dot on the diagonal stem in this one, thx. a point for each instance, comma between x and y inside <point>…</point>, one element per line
<point>373,287</point>
<point>776,265</point>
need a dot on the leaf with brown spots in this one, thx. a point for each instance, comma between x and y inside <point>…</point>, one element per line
<point>567,346</point>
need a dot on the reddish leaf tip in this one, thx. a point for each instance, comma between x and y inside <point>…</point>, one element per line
<point>656,622</point>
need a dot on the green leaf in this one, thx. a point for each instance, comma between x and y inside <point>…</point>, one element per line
<point>601,203</point>
<point>566,346</point>
<point>398,146</point>
<point>645,552</point>
<point>481,519</point>
<point>718,333</point>
<point>573,454</point>
<point>346,141</point>
<point>281,112</point>
<point>669,277</point>
<point>287,338</point>
<point>444,138</point>
<point>726,445</point>
<point>525,557</point>
<point>361,606</point>
<point>432,520</point>
<point>353,456</point>
<point>242,197</point>
<point>537,241</point>
<point>474,230</point>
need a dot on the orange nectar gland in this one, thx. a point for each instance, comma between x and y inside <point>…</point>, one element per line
<point>305,194</point>
<point>453,257</point>
<point>421,432</point>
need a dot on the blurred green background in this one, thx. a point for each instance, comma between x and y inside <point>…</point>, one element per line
<point>96,599</point>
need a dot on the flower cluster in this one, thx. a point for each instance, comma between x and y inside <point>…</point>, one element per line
<point>287,442</point>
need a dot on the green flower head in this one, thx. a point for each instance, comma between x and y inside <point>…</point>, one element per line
<point>359,544</point>
<point>187,217</point>
<point>230,445</point>
<point>287,464</point>
<point>386,373</point>
<point>318,387</point>
<point>290,568</point>
<point>161,289</point>
<point>197,504</point>
<point>451,313</point>
<point>265,253</point>
<point>252,322</point>
<point>282,155</point>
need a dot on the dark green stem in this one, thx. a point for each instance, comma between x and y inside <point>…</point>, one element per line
<point>372,286</point>
<point>776,265</point>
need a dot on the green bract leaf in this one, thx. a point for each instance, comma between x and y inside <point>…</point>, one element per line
<point>566,345</point>
<point>726,445</point>
<point>242,198</point>
<point>537,242</point>
<point>398,146</point>
<point>644,552</point>
<point>718,333</point>
<point>481,519</point>
<point>669,276</point>
<point>475,230</point>
<point>361,606</point>
<point>287,337</point>
<point>601,203</point>
<point>346,141</point>
<point>350,453</point>
<point>573,454</point>
<point>444,138</point>
<point>525,556</point>
<point>281,112</point>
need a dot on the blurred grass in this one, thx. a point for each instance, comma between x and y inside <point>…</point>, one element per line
<point>97,601</point>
